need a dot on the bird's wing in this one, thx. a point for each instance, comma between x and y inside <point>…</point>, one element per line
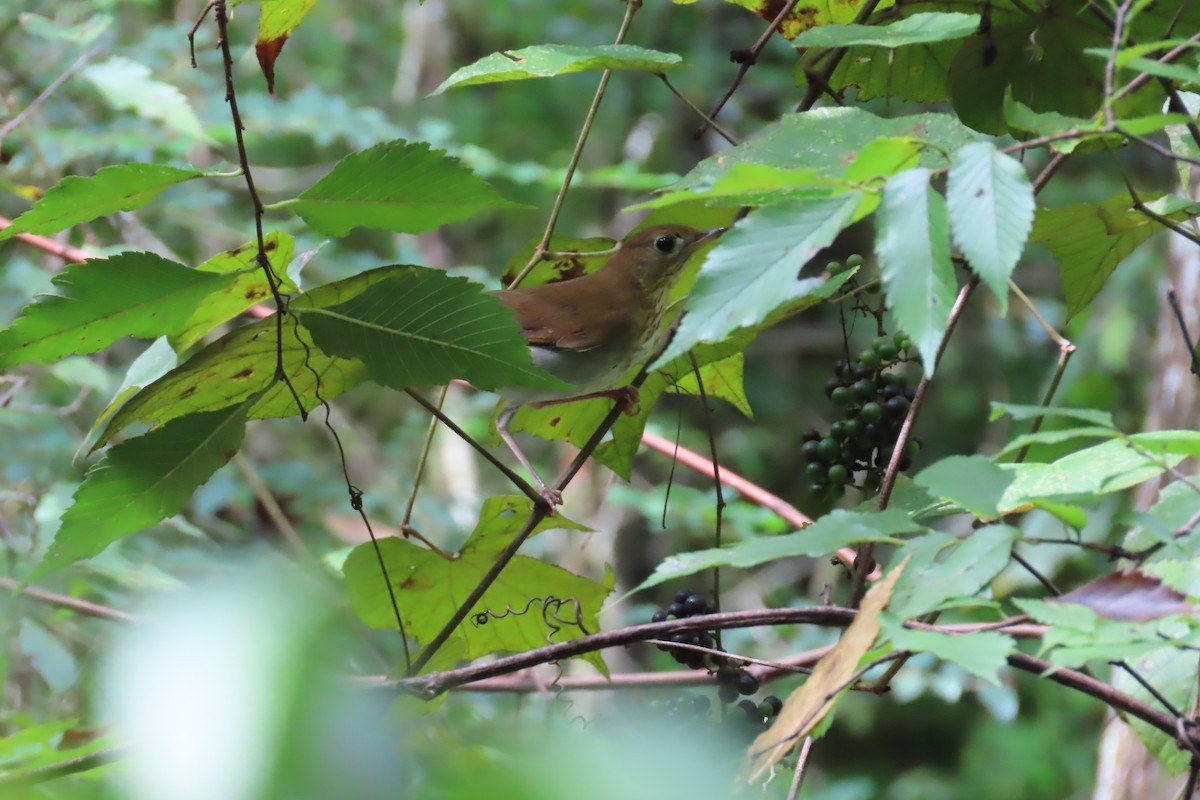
<point>551,317</point>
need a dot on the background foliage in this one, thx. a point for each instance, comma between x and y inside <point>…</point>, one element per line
<point>187,570</point>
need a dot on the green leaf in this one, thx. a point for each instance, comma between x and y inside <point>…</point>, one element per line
<point>549,60</point>
<point>72,200</point>
<point>248,288</point>
<point>126,84</point>
<point>1089,240</point>
<point>1172,673</point>
<point>575,422</point>
<point>917,29</point>
<point>971,564</point>
<point>982,654</point>
<point>99,301</point>
<point>826,139</point>
<point>152,364</point>
<point>531,603</point>
<point>397,186</point>
<point>1021,118</point>
<point>913,244</point>
<point>280,17</point>
<point>1091,416</point>
<point>422,327</point>
<point>756,266</point>
<point>1101,469</point>
<point>748,184</point>
<point>837,529</point>
<point>563,267</point>
<point>917,73</point>
<point>242,363</point>
<point>1056,437</point>
<point>973,482</point>
<point>143,481</point>
<point>991,204</point>
<point>722,379</point>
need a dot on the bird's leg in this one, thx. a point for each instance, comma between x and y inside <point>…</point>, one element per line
<point>626,394</point>
<point>553,497</point>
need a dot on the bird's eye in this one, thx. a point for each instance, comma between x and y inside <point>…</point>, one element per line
<point>664,244</point>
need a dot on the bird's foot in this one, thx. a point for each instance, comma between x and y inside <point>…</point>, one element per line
<point>630,397</point>
<point>553,498</point>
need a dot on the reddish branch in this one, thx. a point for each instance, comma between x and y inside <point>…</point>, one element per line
<point>48,245</point>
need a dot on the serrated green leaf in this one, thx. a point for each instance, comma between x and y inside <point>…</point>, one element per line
<point>826,139</point>
<point>968,567</point>
<point>982,654</point>
<point>917,73</point>
<point>99,301</point>
<point>152,364</point>
<point>530,604</point>
<point>423,327</point>
<point>242,363</point>
<point>72,200</point>
<point>913,244</point>
<point>975,483</point>
<point>839,528</point>
<point>126,84</point>
<point>280,17</point>
<point>142,481</point>
<point>1055,437</point>
<point>575,422</point>
<point>1172,673</point>
<point>1089,240</point>
<point>549,60</point>
<point>1101,469</point>
<point>756,266</point>
<point>397,186</point>
<point>917,29</point>
<point>1091,416</point>
<point>990,203</point>
<point>249,286</point>
<point>748,184</point>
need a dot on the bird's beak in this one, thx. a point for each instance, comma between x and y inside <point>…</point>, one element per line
<point>709,235</point>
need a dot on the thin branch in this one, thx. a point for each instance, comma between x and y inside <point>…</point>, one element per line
<point>270,505</point>
<point>68,766</point>
<point>1065,350</point>
<point>864,563</point>
<point>85,607</point>
<point>539,252</point>
<point>748,59</point>
<point>801,763</point>
<point>48,245</point>
<point>707,119</point>
<point>818,83</point>
<point>1110,66</point>
<point>12,124</point>
<point>716,462</point>
<point>540,511</point>
<point>406,522</point>
<point>516,479</point>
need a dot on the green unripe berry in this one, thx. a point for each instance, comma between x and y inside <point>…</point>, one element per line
<point>838,475</point>
<point>871,412</point>
<point>854,260</point>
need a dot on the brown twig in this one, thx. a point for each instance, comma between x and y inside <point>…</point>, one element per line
<point>85,607</point>
<point>539,252</point>
<point>48,245</point>
<point>748,58</point>
<point>865,561</point>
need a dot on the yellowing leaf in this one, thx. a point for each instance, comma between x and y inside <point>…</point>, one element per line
<point>809,704</point>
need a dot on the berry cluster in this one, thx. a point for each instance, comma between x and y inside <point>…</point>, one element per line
<point>687,604</point>
<point>759,715</point>
<point>874,402</point>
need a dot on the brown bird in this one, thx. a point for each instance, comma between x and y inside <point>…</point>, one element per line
<point>594,330</point>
